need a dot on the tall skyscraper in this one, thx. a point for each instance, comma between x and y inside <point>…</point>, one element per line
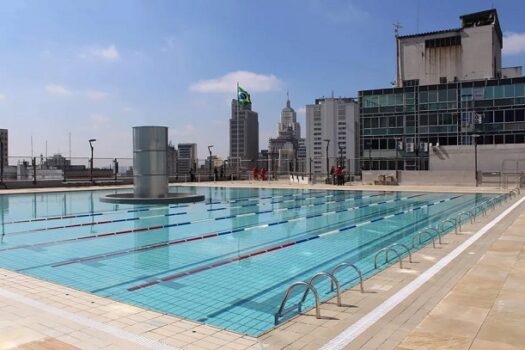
<point>4,140</point>
<point>244,134</point>
<point>284,148</point>
<point>335,120</point>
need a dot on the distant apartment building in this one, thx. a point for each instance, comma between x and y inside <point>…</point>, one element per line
<point>284,148</point>
<point>451,91</point>
<point>332,122</point>
<point>187,158</point>
<point>244,135</point>
<point>4,142</point>
<point>57,161</point>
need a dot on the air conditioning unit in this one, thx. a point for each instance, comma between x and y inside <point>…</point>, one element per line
<point>410,147</point>
<point>423,146</point>
<point>399,145</point>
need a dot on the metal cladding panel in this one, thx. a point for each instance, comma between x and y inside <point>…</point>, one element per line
<point>150,163</point>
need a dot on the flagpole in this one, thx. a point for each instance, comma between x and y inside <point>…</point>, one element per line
<point>237,137</point>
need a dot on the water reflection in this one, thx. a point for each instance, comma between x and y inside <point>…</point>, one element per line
<point>153,259</point>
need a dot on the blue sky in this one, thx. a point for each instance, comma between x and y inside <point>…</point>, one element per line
<point>96,68</point>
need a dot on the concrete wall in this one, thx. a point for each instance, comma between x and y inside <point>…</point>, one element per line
<point>427,178</point>
<point>491,158</point>
<point>437,178</point>
<point>478,56</point>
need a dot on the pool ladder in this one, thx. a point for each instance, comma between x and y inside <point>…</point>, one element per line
<point>309,287</point>
<point>456,224</point>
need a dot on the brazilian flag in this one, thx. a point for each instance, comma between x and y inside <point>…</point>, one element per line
<point>243,96</point>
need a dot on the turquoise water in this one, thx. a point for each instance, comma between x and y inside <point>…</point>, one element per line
<point>226,261</point>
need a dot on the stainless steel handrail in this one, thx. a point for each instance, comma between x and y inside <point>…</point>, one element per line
<point>309,287</point>
<point>406,248</point>
<point>419,239</point>
<point>450,220</point>
<point>344,264</point>
<point>458,219</point>
<point>438,233</point>
<point>333,281</point>
<point>386,250</point>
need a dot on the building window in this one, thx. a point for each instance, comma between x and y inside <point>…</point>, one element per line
<point>443,42</point>
<point>443,80</point>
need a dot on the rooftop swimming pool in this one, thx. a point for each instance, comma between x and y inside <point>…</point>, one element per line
<point>225,262</point>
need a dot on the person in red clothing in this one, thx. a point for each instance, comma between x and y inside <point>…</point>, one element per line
<point>339,175</point>
<point>263,174</point>
<point>255,173</point>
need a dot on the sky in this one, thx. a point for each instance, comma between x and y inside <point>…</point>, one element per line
<point>94,69</point>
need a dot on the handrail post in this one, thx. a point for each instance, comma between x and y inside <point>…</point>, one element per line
<point>397,254</point>
<point>393,246</point>
<point>287,294</point>
<point>431,237</point>
<point>333,281</point>
<point>344,264</point>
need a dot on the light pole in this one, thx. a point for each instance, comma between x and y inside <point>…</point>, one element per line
<point>209,150</point>
<point>91,161</point>
<point>340,145</point>
<point>327,161</point>
<point>1,162</point>
<point>475,139</point>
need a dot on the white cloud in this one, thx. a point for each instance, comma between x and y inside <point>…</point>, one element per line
<point>185,131</point>
<point>98,121</point>
<point>252,82</point>
<point>95,94</point>
<point>59,90</point>
<point>338,11</point>
<point>513,43</point>
<point>301,111</point>
<point>107,54</point>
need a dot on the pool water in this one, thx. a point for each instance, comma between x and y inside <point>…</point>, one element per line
<point>225,262</point>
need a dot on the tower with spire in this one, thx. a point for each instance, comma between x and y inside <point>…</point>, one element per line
<point>285,146</point>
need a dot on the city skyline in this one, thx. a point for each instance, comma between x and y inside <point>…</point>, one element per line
<point>96,69</point>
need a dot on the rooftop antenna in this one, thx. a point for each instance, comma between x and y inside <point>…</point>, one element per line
<point>332,93</point>
<point>417,17</point>
<point>397,26</point>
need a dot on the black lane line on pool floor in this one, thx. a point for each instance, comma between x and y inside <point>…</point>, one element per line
<point>370,248</point>
<point>274,248</point>
<point>151,217</point>
<point>151,228</point>
<point>144,209</point>
<point>194,238</point>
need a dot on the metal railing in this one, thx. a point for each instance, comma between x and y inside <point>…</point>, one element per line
<point>309,287</point>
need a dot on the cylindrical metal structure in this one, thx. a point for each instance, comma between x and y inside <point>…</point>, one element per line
<point>150,164</point>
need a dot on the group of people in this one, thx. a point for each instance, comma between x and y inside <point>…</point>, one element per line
<point>259,174</point>
<point>338,175</point>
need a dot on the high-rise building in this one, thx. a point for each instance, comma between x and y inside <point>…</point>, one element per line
<point>452,92</point>
<point>284,147</point>
<point>244,135</point>
<point>187,158</point>
<point>333,122</point>
<point>4,141</point>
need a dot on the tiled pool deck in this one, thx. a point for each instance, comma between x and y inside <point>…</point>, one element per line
<point>474,302</point>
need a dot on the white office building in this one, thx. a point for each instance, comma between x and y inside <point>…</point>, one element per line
<point>332,122</point>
